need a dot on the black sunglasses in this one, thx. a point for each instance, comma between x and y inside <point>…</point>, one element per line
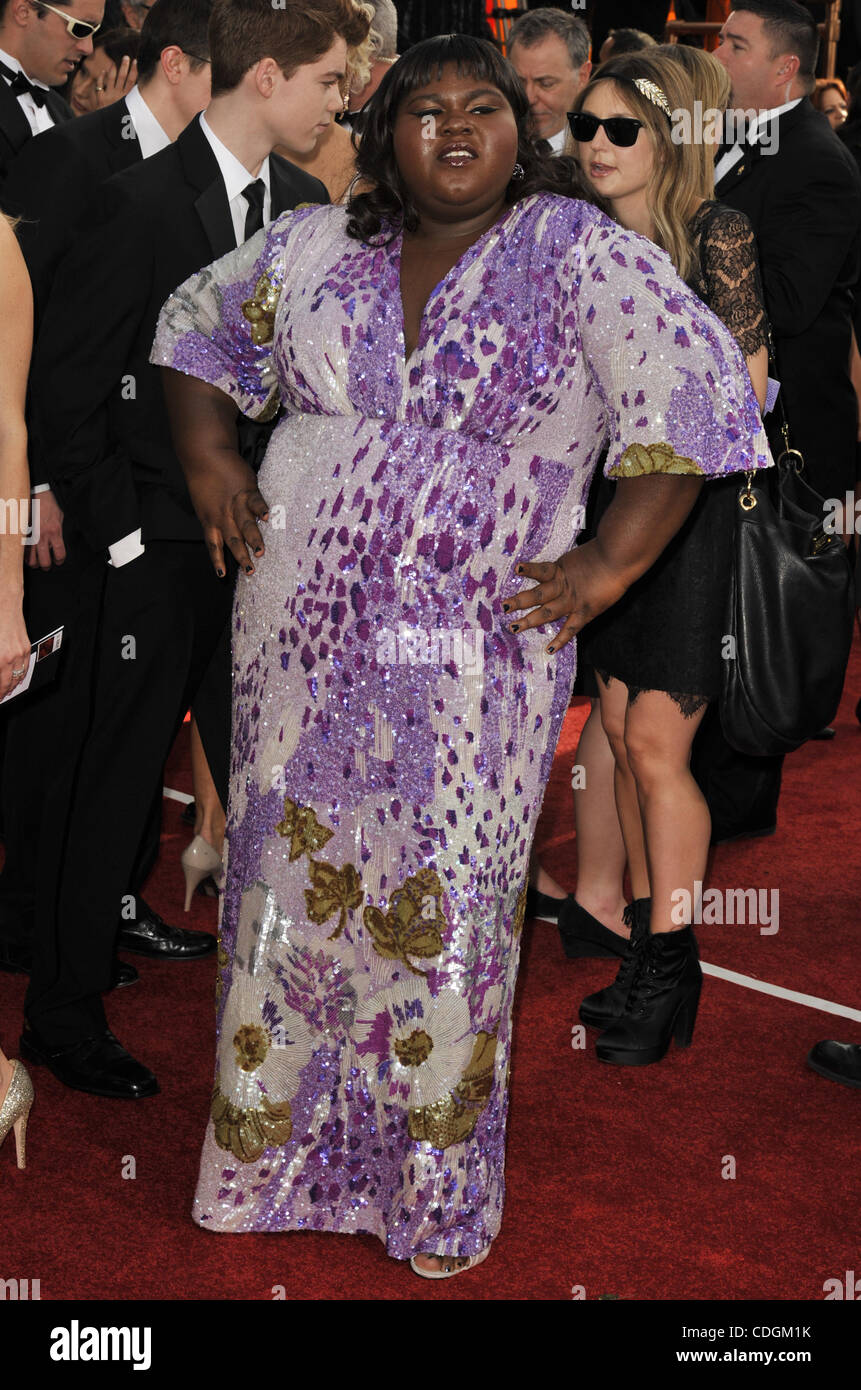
<point>621,130</point>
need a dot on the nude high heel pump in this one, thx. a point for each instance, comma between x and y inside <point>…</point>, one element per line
<point>15,1110</point>
<point>199,860</point>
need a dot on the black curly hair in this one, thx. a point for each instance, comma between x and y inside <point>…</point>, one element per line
<point>387,206</point>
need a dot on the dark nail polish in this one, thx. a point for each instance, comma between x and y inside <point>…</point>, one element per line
<point>505,608</point>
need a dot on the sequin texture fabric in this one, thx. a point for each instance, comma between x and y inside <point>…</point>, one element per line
<point>391,738</point>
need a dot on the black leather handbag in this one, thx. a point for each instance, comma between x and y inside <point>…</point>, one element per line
<point>790,613</point>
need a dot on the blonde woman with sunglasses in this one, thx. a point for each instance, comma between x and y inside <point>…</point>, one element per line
<point>658,652</point>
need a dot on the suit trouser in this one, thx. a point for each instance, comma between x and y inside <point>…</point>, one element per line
<point>160,620</point>
<point>39,726</point>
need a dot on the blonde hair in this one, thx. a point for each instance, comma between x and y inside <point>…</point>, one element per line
<point>712,88</point>
<point>676,186</point>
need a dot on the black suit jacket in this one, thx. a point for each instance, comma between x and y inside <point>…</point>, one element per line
<point>102,431</point>
<point>804,201</point>
<point>53,182</point>
<point>15,130</point>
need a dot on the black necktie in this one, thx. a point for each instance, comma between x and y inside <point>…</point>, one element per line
<point>19,84</point>
<point>254,195</point>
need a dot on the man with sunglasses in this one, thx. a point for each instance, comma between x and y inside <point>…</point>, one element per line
<point>40,44</point>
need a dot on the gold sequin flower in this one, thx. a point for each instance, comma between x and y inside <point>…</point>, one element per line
<point>263,1048</point>
<point>301,826</point>
<point>413,1045</point>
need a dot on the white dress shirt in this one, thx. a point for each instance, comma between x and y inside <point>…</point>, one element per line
<point>236,177</point>
<point>151,137</point>
<point>39,118</point>
<point>557,141</point>
<point>731,158</point>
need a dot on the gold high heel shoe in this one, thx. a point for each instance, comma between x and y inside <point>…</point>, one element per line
<point>15,1109</point>
<point>198,860</point>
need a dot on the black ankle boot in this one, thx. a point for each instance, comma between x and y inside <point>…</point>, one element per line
<point>599,1010</point>
<point>583,935</point>
<point>662,1002</point>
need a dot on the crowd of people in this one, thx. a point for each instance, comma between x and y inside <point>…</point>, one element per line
<point>316,327</point>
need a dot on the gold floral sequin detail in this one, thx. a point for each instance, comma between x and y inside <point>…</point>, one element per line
<point>640,459</point>
<point>260,310</point>
<point>414,1050</point>
<point>520,912</point>
<point>301,826</point>
<point>334,890</point>
<point>252,1044</point>
<point>453,1119</point>
<point>246,1133</point>
<point>414,923</point>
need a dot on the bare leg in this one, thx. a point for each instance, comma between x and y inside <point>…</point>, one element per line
<point>544,882</point>
<point>614,707</point>
<point>601,853</point>
<point>209,819</point>
<point>658,738</point>
<point>5,1075</point>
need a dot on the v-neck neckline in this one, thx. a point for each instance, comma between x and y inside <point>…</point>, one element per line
<point>461,264</point>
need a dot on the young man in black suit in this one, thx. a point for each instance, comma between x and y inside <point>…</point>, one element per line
<point>40,44</point>
<point>106,448</point>
<point>55,177</point>
<point>52,185</point>
<point>800,188</point>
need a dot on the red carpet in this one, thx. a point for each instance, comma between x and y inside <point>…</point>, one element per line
<point>615,1177</point>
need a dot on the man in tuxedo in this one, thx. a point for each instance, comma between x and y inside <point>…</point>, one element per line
<point>106,447</point>
<point>549,51</point>
<point>801,190</point>
<point>52,184</point>
<point>40,45</point>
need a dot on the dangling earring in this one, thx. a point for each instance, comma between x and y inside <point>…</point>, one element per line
<point>519,172</point>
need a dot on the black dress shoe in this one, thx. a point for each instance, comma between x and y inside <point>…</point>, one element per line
<point>542,905</point>
<point>838,1061</point>
<point>149,935</point>
<point>824,735</point>
<point>583,935</point>
<point>99,1065</point>
<point>123,974</point>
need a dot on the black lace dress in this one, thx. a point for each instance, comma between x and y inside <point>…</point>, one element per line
<point>667,632</point>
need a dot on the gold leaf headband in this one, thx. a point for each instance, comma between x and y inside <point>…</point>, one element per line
<point>653,92</point>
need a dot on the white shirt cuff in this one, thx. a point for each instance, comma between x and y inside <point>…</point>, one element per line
<point>129,548</point>
<point>40,487</point>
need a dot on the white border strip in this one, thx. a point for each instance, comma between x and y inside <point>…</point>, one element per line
<point>177,796</point>
<point>810,1001</point>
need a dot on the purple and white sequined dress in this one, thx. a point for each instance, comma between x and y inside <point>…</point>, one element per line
<point>391,739</point>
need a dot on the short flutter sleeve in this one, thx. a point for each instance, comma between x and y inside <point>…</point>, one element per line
<point>219,324</point>
<point>676,390</point>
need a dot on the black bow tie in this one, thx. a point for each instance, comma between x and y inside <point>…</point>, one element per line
<point>19,83</point>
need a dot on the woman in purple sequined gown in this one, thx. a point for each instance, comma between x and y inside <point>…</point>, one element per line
<point>448,386</point>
